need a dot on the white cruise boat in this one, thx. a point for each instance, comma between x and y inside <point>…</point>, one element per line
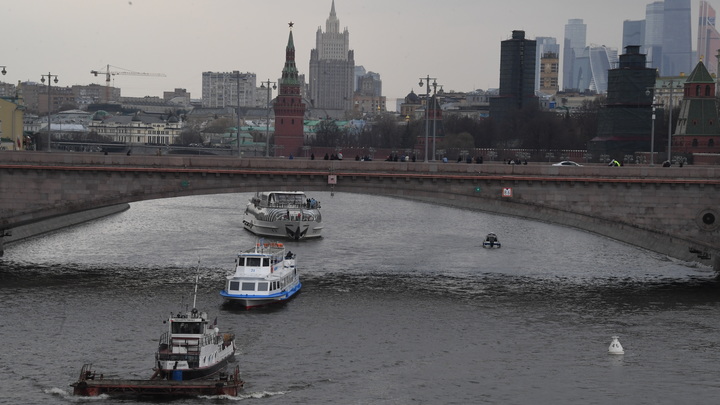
<point>283,214</point>
<point>192,348</point>
<point>264,274</point>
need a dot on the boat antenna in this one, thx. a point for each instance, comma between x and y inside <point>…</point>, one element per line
<point>197,277</point>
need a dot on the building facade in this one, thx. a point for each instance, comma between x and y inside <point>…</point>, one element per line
<point>228,89</point>
<point>545,46</point>
<point>517,77</point>
<point>137,128</point>
<point>289,107</point>
<point>332,67</point>
<point>634,34</point>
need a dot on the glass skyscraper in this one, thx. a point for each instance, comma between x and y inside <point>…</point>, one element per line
<point>677,38</point>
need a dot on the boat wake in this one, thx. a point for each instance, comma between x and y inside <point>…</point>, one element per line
<point>246,395</point>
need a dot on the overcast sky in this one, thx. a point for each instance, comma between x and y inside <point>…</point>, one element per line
<point>455,41</point>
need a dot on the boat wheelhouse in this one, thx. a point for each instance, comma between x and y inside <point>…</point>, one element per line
<point>283,214</point>
<point>193,348</point>
<point>264,274</point>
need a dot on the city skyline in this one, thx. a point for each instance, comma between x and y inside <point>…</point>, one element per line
<point>401,40</point>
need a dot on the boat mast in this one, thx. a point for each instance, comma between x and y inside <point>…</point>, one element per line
<point>197,276</point>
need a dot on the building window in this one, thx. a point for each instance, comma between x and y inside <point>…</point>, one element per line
<point>711,143</point>
<point>694,143</point>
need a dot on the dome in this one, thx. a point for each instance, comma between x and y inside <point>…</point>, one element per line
<point>412,98</point>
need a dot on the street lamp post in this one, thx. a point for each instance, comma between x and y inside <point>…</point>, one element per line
<point>42,80</point>
<point>427,109</point>
<point>237,83</point>
<point>670,107</point>
<point>435,115</point>
<point>267,120</point>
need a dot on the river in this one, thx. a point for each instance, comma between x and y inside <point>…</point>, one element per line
<point>400,305</point>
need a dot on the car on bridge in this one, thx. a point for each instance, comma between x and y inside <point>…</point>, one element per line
<point>567,163</point>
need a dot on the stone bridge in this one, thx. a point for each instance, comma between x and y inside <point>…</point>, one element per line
<point>673,211</point>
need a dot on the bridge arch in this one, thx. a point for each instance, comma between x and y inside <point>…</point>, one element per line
<point>672,211</point>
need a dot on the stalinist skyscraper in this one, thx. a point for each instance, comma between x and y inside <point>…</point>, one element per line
<point>332,69</point>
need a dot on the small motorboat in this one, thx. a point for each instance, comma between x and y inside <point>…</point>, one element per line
<point>491,241</point>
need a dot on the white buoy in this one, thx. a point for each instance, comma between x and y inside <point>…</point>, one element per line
<point>615,346</point>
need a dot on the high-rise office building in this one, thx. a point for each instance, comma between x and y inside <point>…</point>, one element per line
<point>545,46</point>
<point>654,22</point>
<point>634,34</point>
<point>677,38</point>
<point>573,45</point>
<point>708,40</point>
<point>517,77</point>
<point>332,67</point>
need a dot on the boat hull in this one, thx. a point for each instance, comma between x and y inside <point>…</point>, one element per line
<point>90,385</point>
<point>293,230</point>
<point>254,301</point>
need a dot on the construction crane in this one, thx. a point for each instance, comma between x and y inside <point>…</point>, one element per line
<point>108,73</point>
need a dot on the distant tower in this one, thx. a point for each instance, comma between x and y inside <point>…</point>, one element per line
<point>332,68</point>
<point>677,38</point>
<point>708,40</point>
<point>624,125</point>
<point>289,108</point>
<point>573,46</point>
<point>697,127</point>
<point>654,22</point>
<point>517,77</point>
<point>545,45</point>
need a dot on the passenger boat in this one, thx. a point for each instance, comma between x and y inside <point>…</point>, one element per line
<point>264,274</point>
<point>491,241</point>
<point>283,214</point>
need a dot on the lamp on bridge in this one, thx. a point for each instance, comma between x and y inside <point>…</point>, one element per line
<point>42,80</point>
<point>4,72</point>
<point>267,119</point>
<point>427,109</point>
<point>652,130</point>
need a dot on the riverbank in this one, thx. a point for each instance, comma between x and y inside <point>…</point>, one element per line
<point>53,224</point>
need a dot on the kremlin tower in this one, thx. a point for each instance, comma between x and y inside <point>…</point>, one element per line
<point>289,108</point>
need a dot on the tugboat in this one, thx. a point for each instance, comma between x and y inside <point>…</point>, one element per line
<point>191,360</point>
<point>264,274</point>
<point>283,214</point>
<point>192,348</point>
<point>491,241</point>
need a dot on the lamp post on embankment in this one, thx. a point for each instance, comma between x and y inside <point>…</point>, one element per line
<point>42,80</point>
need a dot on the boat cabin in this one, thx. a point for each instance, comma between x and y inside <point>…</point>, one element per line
<point>263,270</point>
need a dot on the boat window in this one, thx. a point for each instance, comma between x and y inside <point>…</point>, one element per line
<point>234,285</point>
<point>253,262</point>
<point>262,286</point>
<point>186,327</point>
<point>248,286</point>
<point>266,262</point>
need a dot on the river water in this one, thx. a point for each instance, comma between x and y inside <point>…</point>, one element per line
<point>400,305</point>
